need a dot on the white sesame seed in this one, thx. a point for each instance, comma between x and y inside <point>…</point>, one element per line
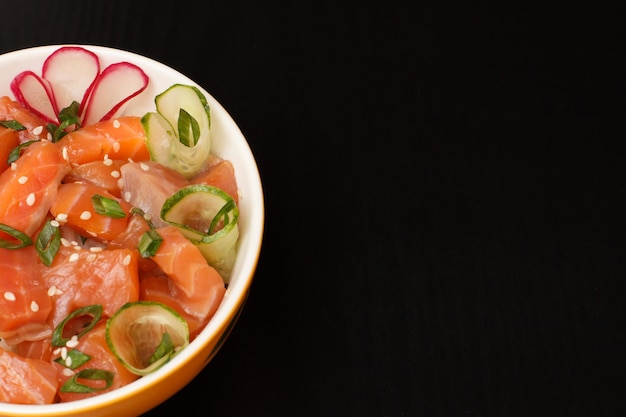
<point>92,234</point>
<point>73,342</point>
<point>9,296</point>
<point>108,162</point>
<point>23,179</point>
<point>115,174</point>
<point>65,242</point>
<point>56,351</point>
<point>13,166</point>
<point>130,160</point>
<point>49,136</point>
<point>120,183</point>
<point>116,147</point>
<point>68,361</point>
<point>116,123</point>
<point>91,257</point>
<point>38,130</point>
<point>65,155</point>
<point>95,249</point>
<point>74,257</point>
<point>58,291</point>
<point>54,223</point>
<point>77,247</point>
<point>64,352</point>
<point>147,217</point>
<point>52,290</point>
<point>68,372</point>
<point>85,215</point>
<point>30,200</point>
<point>126,260</point>
<point>127,196</point>
<point>144,167</point>
<point>62,217</point>
<point>34,306</point>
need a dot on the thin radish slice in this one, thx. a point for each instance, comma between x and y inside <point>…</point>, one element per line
<point>71,71</point>
<point>117,84</point>
<point>36,94</point>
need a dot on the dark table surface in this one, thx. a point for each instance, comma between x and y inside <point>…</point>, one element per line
<point>445,199</point>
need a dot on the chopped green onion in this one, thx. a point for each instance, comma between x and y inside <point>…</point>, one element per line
<point>15,153</point>
<point>222,214</point>
<point>77,359</point>
<point>12,124</point>
<point>107,207</point>
<point>188,129</point>
<point>95,311</point>
<point>72,384</point>
<point>23,239</point>
<point>48,243</point>
<point>149,243</point>
<point>139,212</point>
<point>165,348</point>
<point>68,117</point>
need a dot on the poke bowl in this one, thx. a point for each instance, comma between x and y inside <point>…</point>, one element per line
<point>131,223</point>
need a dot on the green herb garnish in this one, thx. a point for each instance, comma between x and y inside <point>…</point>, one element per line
<point>188,129</point>
<point>165,348</point>
<point>77,359</point>
<point>72,385</point>
<point>93,311</point>
<point>149,243</point>
<point>107,207</point>
<point>15,153</point>
<point>22,239</point>
<point>12,124</point>
<point>48,243</point>
<point>68,117</point>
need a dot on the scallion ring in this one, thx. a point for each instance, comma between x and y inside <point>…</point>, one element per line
<point>22,239</point>
<point>72,384</point>
<point>94,311</point>
<point>48,243</point>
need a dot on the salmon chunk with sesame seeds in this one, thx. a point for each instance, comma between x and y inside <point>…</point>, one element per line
<point>35,126</point>
<point>24,300</point>
<point>29,187</point>
<point>121,138</point>
<point>83,277</point>
<point>91,210</point>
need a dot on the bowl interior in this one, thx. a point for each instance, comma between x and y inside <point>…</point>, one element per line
<point>227,142</point>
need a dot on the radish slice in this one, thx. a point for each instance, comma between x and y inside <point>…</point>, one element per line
<point>117,84</point>
<point>36,94</point>
<point>71,71</point>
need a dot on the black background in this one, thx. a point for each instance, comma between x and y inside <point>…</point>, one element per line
<point>444,190</point>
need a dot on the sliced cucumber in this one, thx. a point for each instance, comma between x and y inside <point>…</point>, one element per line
<point>207,216</point>
<point>144,335</point>
<point>178,134</point>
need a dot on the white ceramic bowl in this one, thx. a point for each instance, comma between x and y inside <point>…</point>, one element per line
<point>228,143</point>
